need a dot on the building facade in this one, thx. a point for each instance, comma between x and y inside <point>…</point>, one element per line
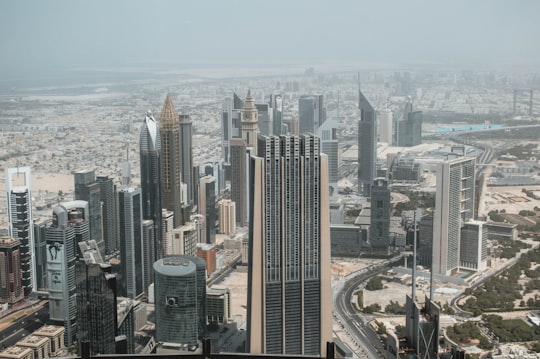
<point>20,221</point>
<point>227,216</point>
<point>11,288</point>
<point>131,242</point>
<point>207,208</point>
<point>87,189</point>
<point>109,204</point>
<point>381,209</point>
<point>180,297</point>
<point>250,120</point>
<point>454,205</point>
<point>367,146</point>
<point>289,307</point>
<point>186,156</point>
<point>150,161</point>
<point>171,176</point>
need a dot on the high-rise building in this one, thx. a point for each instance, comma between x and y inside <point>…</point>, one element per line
<point>367,145</point>
<point>11,288</point>
<point>87,189</point>
<point>330,147</point>
<point>67,229</point>
<point>207,208</point>
<point>473,248</point>
<point>250,118</point>
<point>96,300</point>
<point>409,130</point>
<point>109,213</point>
<point>264,118</point>
<point>40,250</point>
<point>239,194</point>
<point>454,205</point>
<point>380,215</point>
<point>131,242</point>
<point>276,105</point>
<point>385,126</point>
<point>150,154</point>
<point>231,127</point>
<point>311,113</point>
<point>148,232</point>
<point>289,302</point>
<point>186,156</point>
<point>169,128</point>
<point>20,221</point>
<point>180,297</point>
<point>227,216</point>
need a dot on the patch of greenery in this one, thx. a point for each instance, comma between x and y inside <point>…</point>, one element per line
<point>512,330</point>
<point>374,283</point>
<point>462,333</point>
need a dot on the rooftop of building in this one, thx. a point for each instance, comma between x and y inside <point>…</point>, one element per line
<point>32,340</point>
<point>49,330</point>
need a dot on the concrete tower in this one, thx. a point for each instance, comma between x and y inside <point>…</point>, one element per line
<point>289,300</point>
<point>186,156</point>
<point>250,118</point>
<point>454,205</point>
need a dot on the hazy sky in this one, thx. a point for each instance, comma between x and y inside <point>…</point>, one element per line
<point>38,34</point>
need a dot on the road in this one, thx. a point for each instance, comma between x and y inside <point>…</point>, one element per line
<point>23,327</point>
<point>354,323</point>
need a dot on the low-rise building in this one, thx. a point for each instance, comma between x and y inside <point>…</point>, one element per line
<point>55,335</point>
<point>39,345</point>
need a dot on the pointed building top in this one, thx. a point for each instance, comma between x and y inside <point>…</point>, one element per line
<point>168,116</point>
<point>249,101</point>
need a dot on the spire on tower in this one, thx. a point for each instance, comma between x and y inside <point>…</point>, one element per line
<point>249,101</point>
<point>168,116</point>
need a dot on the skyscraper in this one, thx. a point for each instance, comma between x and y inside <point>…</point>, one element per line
<point>109,213</point>
<point>367,146</point>
<point>409,130</point>
<point>131,241</point>
<point>239,187</point>
<point>87,189</point>
<point>96,300</point>
<point>207,208</point>
<point>250,118</point>
<point>231,127</point>
<point>169,126</point>
<point>40,250</point>
<point>20,221</point>
<point>289,304</point>
<point>11,289</point>
<point>276,105</point>
<point>68,228</point>
<point>454,205</point>
<point>186,156</point>
<point>180,293</point>
<point>385,126</point>
<point>150,154</point>
<point>330,147</point>
<point>311,113</point>
<point>227,216</point>
<point>380,215</point>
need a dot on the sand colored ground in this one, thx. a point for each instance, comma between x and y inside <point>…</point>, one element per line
<point>237,284</point>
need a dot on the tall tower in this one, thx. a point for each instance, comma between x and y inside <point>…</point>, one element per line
<point>150,153</point>
<point>238,179</point>
<point>87,189</point>
<point>169,126</point>
<point>69,227</point>
<point>11,289</point>
<point>250,118</point>
<point>367,146</point>
<point>110,213</point>
<point>454,205</point>
<point>96,300</point>
<point>19,202</point>
<point>186,156</point>
<point>380,215</point>
<point>207,208</point>
<point>311,113</point>
<point>289,303</point>
<point>131,242</point>
<point>385,126</point>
